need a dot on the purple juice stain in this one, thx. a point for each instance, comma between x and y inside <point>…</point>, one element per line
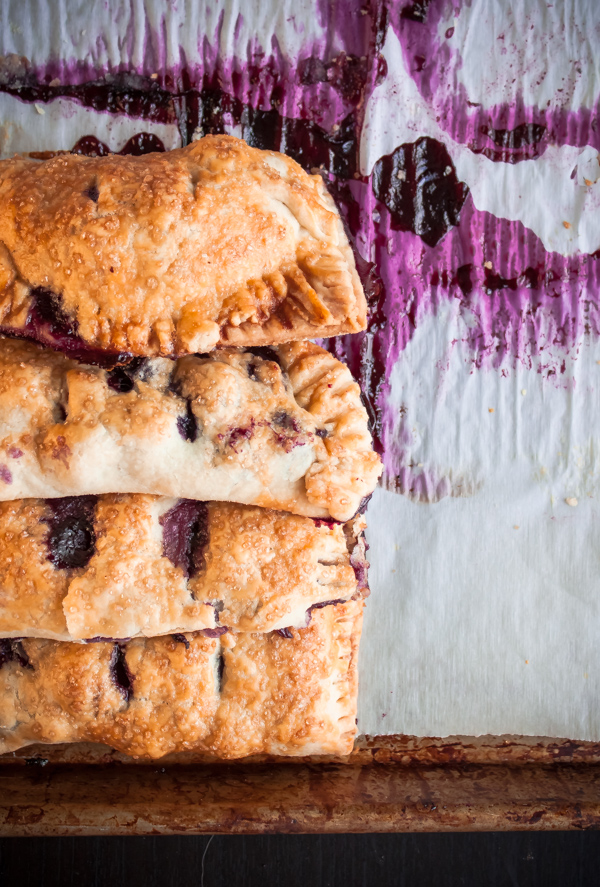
<point>524,142</point>
<point>418,185</point>
<point>12,650</point>
<point>71,539</point>
<point>185,535</point>
<point>5,475</point>
<point>119,672</point>
<point>408,279</point>
<point>523,131</point>
<point>139,144</point>
<point>122,93</point>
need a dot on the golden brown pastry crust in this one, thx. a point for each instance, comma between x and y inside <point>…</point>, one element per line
<point>226,426</point>
<point>173,253</point>
<point>237,695</point>
<point>260,570</point>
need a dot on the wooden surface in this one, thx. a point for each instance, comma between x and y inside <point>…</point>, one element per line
<point>389,784</point>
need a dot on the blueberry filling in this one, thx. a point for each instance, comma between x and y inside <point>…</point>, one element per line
<point>122,378</point>
<point>251,370</point>
<point>284,632</point>
<point>364,503</point>
<point>186,535</point>
<point>325,522</point>
<point>220,672</point>
<point>12,650</point>
<point>285,421</point>
<point>119,380</point>
<point>321,432</point>
<point>119,672</point>
<point>36,762</point>
<point>265,352</point>
<point>93,193</point>
<point>237,435</point>
<point>49,325</point>
<point>5,475</point>
<point>320,607</point>
<point>71,540</point>
<point>187,425</point>
<point>215,632</point>
<point>181,639</point>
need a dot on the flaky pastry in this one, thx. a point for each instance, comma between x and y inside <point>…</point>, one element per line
<point>231,696</point>
<point>174,253</point>
<point>123,566</point>
<point>283,428</point>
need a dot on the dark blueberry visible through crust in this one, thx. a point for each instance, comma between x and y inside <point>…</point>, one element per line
<point>122,378</point>
<point>71,540</point>
<point>12,650</point>
<point>119,380</point>
<point>49,325</point>
<point>264,352</point>
<point>181,639</point>
<point>119,672</point>
<point>284,420</point>
<point>186,535</point>
<point>220,672</point>
<point>93,193</point>
<point>187,425</point>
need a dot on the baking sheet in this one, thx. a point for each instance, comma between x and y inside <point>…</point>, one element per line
<point>483,617</point>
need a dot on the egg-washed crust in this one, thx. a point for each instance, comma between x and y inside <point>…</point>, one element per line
<point>173,253</point>
<point>235,566</point>
<point>232,696</point>
<point>226,426</point>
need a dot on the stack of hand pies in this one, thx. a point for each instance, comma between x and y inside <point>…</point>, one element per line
<point>182,472</point>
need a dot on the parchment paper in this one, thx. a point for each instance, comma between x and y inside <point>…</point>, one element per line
<point>484,615</point>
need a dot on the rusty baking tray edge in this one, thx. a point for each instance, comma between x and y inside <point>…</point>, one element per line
<point>388,784</point>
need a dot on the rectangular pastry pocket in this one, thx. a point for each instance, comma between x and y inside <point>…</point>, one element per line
<point>172,253</point>
<point>281,428</point>
<point>123,566</point>
<point>279,693</point>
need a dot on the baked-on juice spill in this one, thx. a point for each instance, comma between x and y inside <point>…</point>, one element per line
<point>419,240</point>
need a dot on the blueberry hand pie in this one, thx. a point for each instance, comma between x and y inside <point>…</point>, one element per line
<point>122,566</point>
<point>174,253</point>
<point>281,428</point>
<point>229,696</point>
